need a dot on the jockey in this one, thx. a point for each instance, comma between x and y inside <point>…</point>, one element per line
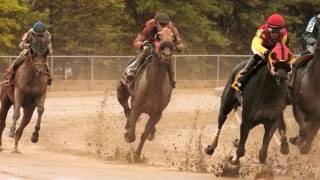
<point>266,38</point>
<point>38,29</point>
<point>146,38</point>
<point>311,34</point>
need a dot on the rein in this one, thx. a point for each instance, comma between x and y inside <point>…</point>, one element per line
<point>35,64</point>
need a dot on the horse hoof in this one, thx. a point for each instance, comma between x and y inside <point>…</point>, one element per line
<point>209,150</point>
<point>128,138</point>
<point>151,136</point>
<point>34,138</point>
<point>305,149</point>
<point>284,148</point>
<point>296,140</point>
<point>236,143</point>
<point>233,162</point>
<point>136,157</point>
<point>262,156</point>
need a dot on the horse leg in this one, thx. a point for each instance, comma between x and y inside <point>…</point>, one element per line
<point>123,96</point>
<point>153,130</point>
<point>244,132</point>
<point>130,135</point>
<point>314,127</point>
<point>153,120</point>
<point>5,106</point>
<point>227,104</point>
<point>27,114</point>
<point>40,109</point>
<point>300,119</point>
<point>16,114</point>
<point>269,129</point>
<point>152,133</point>
<point>282,129</point>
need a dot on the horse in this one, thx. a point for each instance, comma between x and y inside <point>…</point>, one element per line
<point>263,102</point>
<point>306,99</point>
<point>28,91</point>
<point>151,91</point>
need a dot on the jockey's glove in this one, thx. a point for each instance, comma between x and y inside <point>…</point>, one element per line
<point>311,41</point>
<point>26,46</point>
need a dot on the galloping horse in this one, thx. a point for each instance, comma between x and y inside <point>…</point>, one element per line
<point>306,101</point>
<point>264,99</point>
<point>151,92</point>
<point>28,91</point>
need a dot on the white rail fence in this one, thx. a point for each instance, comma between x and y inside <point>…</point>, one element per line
<point>188,67</point>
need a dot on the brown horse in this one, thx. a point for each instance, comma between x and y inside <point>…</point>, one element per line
<point>306,100</point>
<point>151,92</point>
<point>264,100</point>
<point>28,91</point>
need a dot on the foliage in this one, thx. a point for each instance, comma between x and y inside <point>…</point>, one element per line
<point>109,26</point>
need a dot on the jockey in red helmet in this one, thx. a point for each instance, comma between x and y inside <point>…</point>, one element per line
<point>266,38</point>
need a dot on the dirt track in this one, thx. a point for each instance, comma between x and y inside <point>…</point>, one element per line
<point>82,138</point>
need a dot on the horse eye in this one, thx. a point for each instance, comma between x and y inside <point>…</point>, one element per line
<point>157,37</point>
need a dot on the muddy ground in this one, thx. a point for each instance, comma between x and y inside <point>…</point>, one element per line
<point>82,138</point>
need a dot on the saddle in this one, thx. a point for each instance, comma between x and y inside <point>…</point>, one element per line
<point>124,78</point>
<point>248,75</point>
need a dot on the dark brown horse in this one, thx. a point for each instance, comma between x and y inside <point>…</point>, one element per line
<point>28,91</point>
<point>306,101</point>
<point>151,92</point>
<point>264,100</point>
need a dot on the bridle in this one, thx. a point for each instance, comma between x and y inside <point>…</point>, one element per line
<point>37,67</point>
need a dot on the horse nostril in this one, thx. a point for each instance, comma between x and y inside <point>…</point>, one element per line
<point>167,54</point>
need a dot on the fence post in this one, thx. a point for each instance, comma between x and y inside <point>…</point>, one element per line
<point>175,68</point>
<point>92,73</point>
<point>218,71</point>
<point>52,74</point>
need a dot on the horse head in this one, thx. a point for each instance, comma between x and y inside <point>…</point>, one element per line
<point>280,62</point>
<point>164,44</point>
<point>38,53</point>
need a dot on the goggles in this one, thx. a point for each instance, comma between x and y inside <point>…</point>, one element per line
<point>275,30</point>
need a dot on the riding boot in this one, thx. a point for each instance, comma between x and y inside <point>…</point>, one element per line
<point>243,79</point>
<point>10,72</point>
<point>139,60</point>
<point>50,79</point>
<point>172,74</point>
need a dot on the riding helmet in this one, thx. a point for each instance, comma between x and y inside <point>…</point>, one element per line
<point>276,21</point>
<point>39,27</point>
